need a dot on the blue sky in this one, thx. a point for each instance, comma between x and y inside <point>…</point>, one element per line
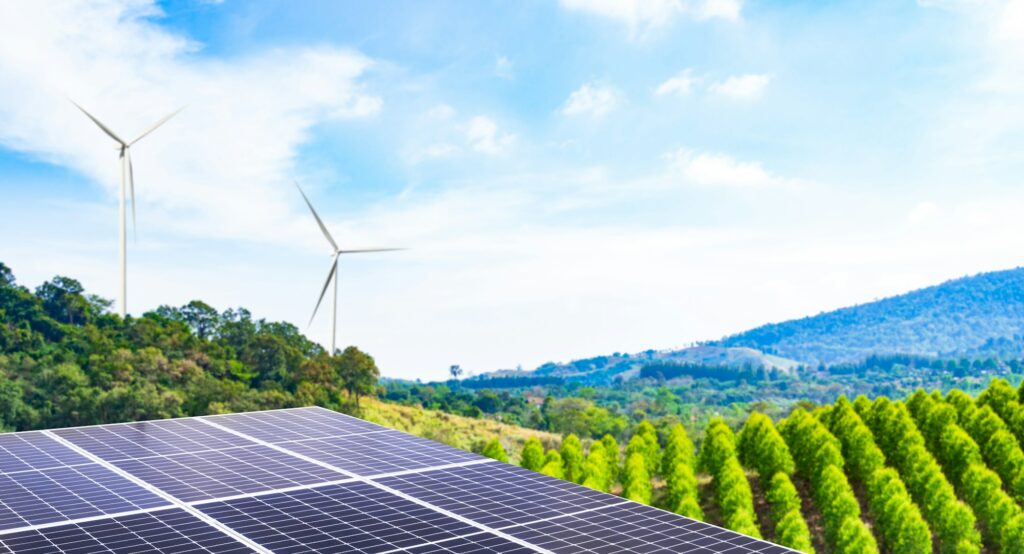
<point>574,177</point>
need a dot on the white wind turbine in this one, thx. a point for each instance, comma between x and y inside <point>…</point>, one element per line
<point>333,273</point>
<point>127,175</point>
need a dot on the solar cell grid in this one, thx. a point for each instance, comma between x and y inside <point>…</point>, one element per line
<point>27,451</point>
<point>215,474</point>
<point>471,544</point>
<point>44,496</point>
<point>633,529</point>
<point>295,424</point>
<point>499,495</point>
<point>172,531</point>
<point>384,452</point>
<point>150,438</point>
<point>258,479</point>
<point>346,517</point>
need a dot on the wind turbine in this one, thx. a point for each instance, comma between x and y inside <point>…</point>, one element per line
<point>332,275</point>
<point>127,175</point>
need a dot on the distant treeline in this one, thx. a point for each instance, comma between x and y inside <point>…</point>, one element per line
<point>510,382</point>
<point>889,363</point>
<point>672,370</point>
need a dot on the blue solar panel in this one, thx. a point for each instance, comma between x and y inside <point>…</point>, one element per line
<point>632,528</point>
<point>499,495</point>
<point>471,544</point>
<point>33,497</point>
<point>309,480</point>
<point>25,451</point>
<point>295,424</point>
<point>169,531</point>
<point>355,517</point>
<point>229,472</point>
<point>377,453</point>
<point>150,438</point>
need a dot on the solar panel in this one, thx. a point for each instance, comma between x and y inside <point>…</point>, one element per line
<point>31,450</point>
<point>383,452</point>
<point>499,495</point>
<point>170,530</point>
<point>295,424</point>
<point>57,494</point>
<point>355,517</point>
<point>308,480</point>
<point>150,438</point>
<point>228,472</point>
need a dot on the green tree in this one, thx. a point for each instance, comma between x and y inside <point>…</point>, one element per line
<point>358,371</point>
<point>553,465</point>
<point>636,480</point>
<point>532,456</point>
<point>494,450</point>
<point>612,455</point>
<point>572,458</point>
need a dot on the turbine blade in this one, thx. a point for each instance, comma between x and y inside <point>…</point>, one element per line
<point>155,125</point>
<point>101,126</point>
<point>323,228</point>
<point>370,250</point>
<point>131,190</point>
<point>334,268</point>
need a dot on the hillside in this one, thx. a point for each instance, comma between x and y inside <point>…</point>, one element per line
<point>980,315</point>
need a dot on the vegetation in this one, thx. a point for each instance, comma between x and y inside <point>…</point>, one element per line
<point>943,470</point>
<point>957,317</point>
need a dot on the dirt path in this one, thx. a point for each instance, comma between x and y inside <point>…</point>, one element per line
<point>815,522</point>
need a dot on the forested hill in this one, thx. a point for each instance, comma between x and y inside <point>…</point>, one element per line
<point>981,315</point>
<point>65,360</point>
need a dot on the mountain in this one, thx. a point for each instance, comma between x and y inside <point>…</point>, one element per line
<point>976,316</point>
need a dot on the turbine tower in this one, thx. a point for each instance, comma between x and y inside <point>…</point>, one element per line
<point>127,177</point>
<point>332,275</point>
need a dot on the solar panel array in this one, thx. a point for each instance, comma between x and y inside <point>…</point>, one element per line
<point>308,480</point>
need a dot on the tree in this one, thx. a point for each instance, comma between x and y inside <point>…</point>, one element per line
<point>455,371</point>
<point>612,454</point>
<point>595,468</point>
<point>572,458</point>
<point>358,371</point>
<point>553,465</point>
<point>6,276</point>
<point>532,456</point>
<point>494,450</point>
<point>636,481</point>
<point>200,317</point>
<point>63,300</point>
<point>761,447</point>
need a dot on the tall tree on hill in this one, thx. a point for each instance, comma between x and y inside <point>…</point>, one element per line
<point>358,371</point>
<point>572,458</point>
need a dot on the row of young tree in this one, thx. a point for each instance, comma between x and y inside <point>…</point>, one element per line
<point>934,473</point>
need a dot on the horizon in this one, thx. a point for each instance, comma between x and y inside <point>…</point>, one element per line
<point>574,178</point>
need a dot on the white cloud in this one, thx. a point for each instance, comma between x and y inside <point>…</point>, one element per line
<point>680,85</point>
<point>433,152</point>
<point>641,16</point>
<point>724,9</point>
<point>441,111</point>
<point>720,170</point>
<point>742,87</point>
<point>922,212</point>
<point>503,68</point>
<point>483,135</point>
<point>238,137</point>
<point>593,99</point>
